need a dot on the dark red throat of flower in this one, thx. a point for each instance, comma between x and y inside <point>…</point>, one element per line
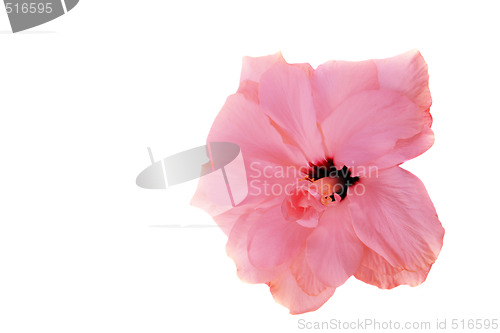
<point>326,168</point>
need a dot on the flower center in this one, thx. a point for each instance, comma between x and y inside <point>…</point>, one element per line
<point>331,180</point>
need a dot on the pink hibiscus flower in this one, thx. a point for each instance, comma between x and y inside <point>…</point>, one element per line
<point>326,197</point>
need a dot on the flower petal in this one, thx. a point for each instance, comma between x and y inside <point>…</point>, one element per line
<point>253,67</point>
<point>250,90</point>
<point>368,125</point>
<point>227,219</point>
<point>382,281</point>
<point>333,250</point>
<point>237,249</point>
<point>286,291</point>
<point>376,262</point>
<point>406,149</point>
<point>285,95</point>
<point>273,241</point>
<point>394,216</point>
<point>335,81</point>
<point>263,181</point>
<point>264,155</point>
<point>406,73</point>
<point>305,277</point>
<point>242,122</point>
<point>375,270</point>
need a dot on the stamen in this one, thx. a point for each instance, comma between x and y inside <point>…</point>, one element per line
<point>338,180</point>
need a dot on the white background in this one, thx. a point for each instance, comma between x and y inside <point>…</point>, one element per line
<point>83,96</point>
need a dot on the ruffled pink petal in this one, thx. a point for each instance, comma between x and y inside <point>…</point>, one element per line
<point>287,292</point>
<point>237,249</point>
<point>367,125</point>
<point>333,250</point>
<point>227,219</point>
<point>266,157</point>
<point>406,149</point>
<point>303,205</point>
<point>394,216</point>
<point>307,68</point>
<point>242,122</point>
<point>215,197</point>
<point>262,180</point>
<point>253,67</point>
<point>375,270</point>
<point>250,90</point>
<point>285,95</point>
<point>335,81</point>
<point>273,241</point>
<point>305,277</point>
<point>376,262</point>
<point>305,216</point>
<point>407,74</point>
<point>382,281</point>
